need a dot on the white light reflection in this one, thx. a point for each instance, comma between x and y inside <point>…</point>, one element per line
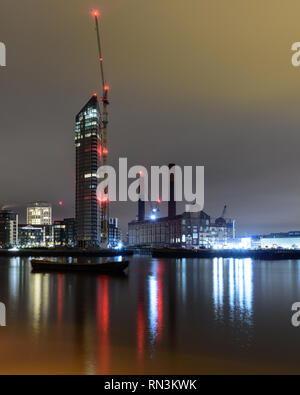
<point>37,301</point>
<point>239,274</point>
<point>231,283</point>
<point>181,275</point>
<point>153,308</point>
<point>14,277</point>
<point>218,285</point>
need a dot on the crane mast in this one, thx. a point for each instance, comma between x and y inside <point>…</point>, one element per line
<point>103,126</point>
<point>224,212</point>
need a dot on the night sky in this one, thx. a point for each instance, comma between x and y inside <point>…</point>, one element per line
<point>194,82</point>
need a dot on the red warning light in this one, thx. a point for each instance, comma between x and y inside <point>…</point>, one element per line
<point>101,59</point>
<point>106,88</point>
<point>95,94</point>
<point>102,200</point>
<point>60,203</point>
<point>96,13</point>
<point>99,151</point>
<point>105,151</point>
<point>159,201</point>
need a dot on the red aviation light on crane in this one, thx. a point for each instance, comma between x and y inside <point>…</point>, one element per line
<point>102,200</point>
<point>99,150</point>
<point>96,13</point>
<point>60,203</point>
<point>106,88</point>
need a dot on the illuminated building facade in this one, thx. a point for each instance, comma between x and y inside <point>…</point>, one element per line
<point>36,236</point>
<point>288,240</point>
<point>114,232</point>
<point>39,213</point>
<point>189,230</point>
<point>65,233</point>
<point>8,229</point>
<point>88,160</point>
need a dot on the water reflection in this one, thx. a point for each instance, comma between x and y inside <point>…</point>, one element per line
<point>155,313</point>
<point>103,321</point>
<point>141,326</point>
<point>167,307</point>
<point>218,285</point>
<point>181,274</point>
<point>60,299</point>
<point>14,277</point>
<point>240,288</point>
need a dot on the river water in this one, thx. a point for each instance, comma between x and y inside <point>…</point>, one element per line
<point>165,317</point>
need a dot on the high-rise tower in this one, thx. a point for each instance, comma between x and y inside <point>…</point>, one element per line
<point>88,160</point>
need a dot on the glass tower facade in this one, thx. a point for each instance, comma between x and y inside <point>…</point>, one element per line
<point>88,160</point>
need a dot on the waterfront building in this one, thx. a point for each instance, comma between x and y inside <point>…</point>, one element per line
<point>65,233</point>
<point>39,213</point>
<point>114,232</point>
<point>281,240</point>
<point>8,229</point>
<point>88,160</point>
<point>36,236</point>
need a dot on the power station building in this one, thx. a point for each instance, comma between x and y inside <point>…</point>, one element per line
<point>88,153</point>
<point>188,230</point>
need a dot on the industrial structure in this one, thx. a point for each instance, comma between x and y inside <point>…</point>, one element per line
<point>188,230</point>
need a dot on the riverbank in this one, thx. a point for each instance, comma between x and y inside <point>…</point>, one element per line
<point>65,252</point>
<point>210,253</point>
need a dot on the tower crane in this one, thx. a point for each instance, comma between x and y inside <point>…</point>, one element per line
<point>224,212</point>
<point>103,126</point>
<point>221,221</point>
